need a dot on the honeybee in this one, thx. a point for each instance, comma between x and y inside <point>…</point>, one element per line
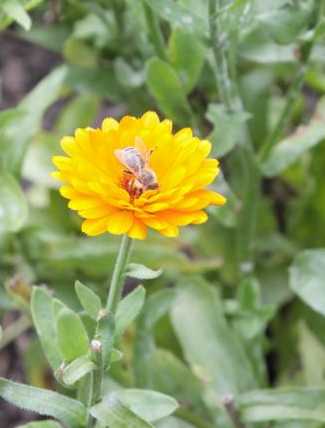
<point>138,176</point>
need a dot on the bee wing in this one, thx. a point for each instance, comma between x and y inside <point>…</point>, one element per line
<point>142,149</point>
<point>119,154</point>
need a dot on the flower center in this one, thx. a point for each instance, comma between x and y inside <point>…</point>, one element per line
<point>137,175</point>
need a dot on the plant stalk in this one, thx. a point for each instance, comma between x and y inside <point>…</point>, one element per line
<point>114,296</point>
<point>305,52</point>
<point>115,290</point>
<point>244,154</point>
<point>230,407</point>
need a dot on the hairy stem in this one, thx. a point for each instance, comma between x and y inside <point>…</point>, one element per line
<point>115,290</point>
<point>243,155</point>
<point>114,296</point>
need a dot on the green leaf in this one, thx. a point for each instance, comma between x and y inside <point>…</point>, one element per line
<point>179,15</point>
<point>44,321</point>
<point>210,346</point>
<point>41,424</point>
<point>88,299</point>
<point>126,75</point>
<point>307,278</point>
<point>284,24</point>
<point>45,402</point>
<point>15,10</point>
<point>135,270</point>
<point>186,54</point>
<point>112,412</point>
<point>282,404</point>
<point>72,336</point>
<point>166,87</point>
<point>15,139</point>
<point>170,375</point>
<point>128,309</point>
<point>288,151</point>
<point>157,305</point>
<point>227,130</point>
<point>77,52</point>
<point>77,369</point>
<point>13,205</point>
<point>148,405</point>
<point>79,113</point>
<point>173,422</point>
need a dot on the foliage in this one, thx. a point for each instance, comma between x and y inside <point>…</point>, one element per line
<point>226,328</point>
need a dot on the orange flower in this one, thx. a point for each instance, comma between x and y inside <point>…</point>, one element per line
<point>134,174</point>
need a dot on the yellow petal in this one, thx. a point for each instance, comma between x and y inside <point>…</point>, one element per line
<point>170,232</point>
<point>138,230</point>
<point>109,124</point>
<point>120,222</point>
<point>69,146</point>
<point>94,227</point>
<point>150,119</point>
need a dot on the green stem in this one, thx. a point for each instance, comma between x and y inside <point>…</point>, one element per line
<point>243,154</point>
<point>155,33</point>
<point>15,330</point>
<point>296,85</point>
<point>115,290</point>
<point>222,73</point>
<point>114,296</point>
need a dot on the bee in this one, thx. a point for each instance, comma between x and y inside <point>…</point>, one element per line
<point>138,176</point>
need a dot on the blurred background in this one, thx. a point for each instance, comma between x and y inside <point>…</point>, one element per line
<point>66,64</point>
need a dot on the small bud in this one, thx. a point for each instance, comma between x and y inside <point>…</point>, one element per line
<point>102,314</point>
<point>59,372</point>
<point>96,346</point>
<point>20,289</point>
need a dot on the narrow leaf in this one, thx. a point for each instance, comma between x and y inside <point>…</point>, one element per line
<point>288,151</point>
<point>307,278</point>
<point>44,402</point>
<point>179,15</point>
<point>15,139</point>
<point>186,54</point>
<point>283,404</point>
<point>135,270</point>
<point>166,87</point>
<point>148,405</point>
<point>88,299</point>
<point>210,346</point>
<point>112,412</point>
<point>13,205</point>
<point>77,369</point>
<point>72,336</point>
<point>15,10</point>
<point>44,321</point>
<point>128,309</point>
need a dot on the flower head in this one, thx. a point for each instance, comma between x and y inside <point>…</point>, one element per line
<point>136,173</point>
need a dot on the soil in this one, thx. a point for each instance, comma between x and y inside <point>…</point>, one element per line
<point>22,65</point>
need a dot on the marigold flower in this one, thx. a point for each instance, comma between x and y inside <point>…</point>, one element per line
<point>134,174</point>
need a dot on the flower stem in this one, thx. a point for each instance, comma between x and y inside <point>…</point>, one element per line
<point>114,296</point>
<point>115,290</point>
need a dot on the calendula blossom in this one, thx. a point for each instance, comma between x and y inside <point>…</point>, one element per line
<point>136,174</point>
